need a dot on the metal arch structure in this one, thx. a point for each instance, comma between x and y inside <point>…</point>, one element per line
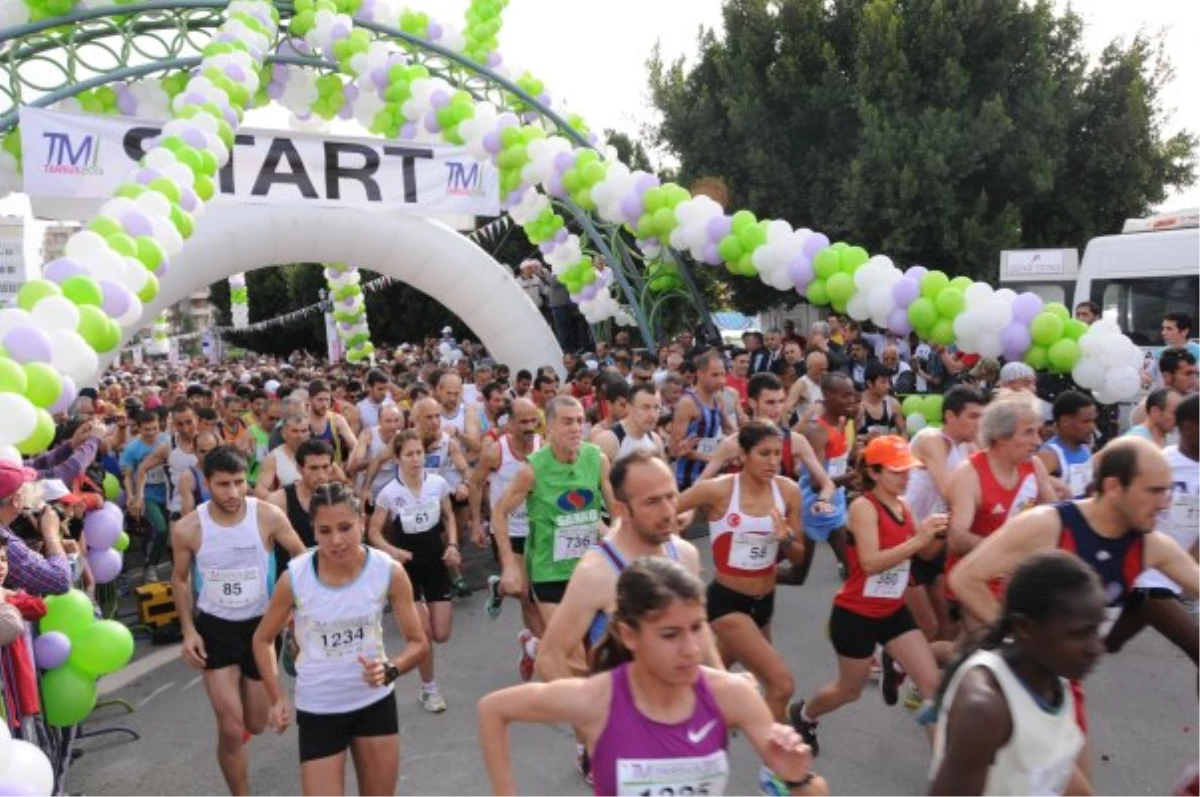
<point>50,60</point>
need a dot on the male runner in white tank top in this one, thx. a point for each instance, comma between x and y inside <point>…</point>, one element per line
<point>462,425</point>
<point>636,431</point>
<point>229,539</point>
<point>279,469</point>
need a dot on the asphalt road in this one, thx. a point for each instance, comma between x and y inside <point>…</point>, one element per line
<point>1143,707</point>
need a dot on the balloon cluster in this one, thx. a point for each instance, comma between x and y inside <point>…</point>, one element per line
<point>239,300</point>
<point>920,412</point>
<point>483,28</point>
<point>159,335</point>
<point>1109,363</point>
<point>72,651</point>
<point>349,310</point>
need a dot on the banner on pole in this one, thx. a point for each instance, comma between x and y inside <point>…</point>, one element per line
<point>73,162</point>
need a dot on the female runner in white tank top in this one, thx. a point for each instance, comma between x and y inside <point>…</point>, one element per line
<point>344,693</point>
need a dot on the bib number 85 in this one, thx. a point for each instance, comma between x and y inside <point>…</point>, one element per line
<point>231,589</point>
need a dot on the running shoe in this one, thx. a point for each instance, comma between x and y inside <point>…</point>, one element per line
<point>291,649</point>
<point>494,601</point>
<point>525,665</point>
<point>461,589</point>
<point>889,681</point>
<point>583,764</point>
<point>912,698</point>
<point>771,784</point>
<point>806,729</point>
<point>843,573</point>
<point>431,699</point>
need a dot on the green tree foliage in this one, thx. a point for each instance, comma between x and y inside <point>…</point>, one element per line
<point>936,131</point>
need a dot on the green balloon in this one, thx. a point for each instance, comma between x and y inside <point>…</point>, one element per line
<point>943,332</point>
<point>742,220</point>
<point>664,218</point>
<point>93,326</point>
<point>83,290</point>
<point>817,293</point>
<point>1037,357</point>
<point>103,647</point>
<point>840,287</point>
<point>44,384</point>
<point>67,613</point>
<point>1059,309</point>
<point>34,291</point>
<point>41,437</point>
<point>922,313</point>
<point>961,283</point>
<point>12,377</point>
<point>68,694</point>
<point>1063,355</point>
<point>934,283</point>
<point>850,258</point>
<point>931,408</point>
<point>1046,328</point>
<point>149,290</point>
<point>825,264</point>
<point>122,244</point>
<point>105,226</point>
<point>911,404</point>
<point>149,251</point>
<point>122,542</point>
<point>752,237</point>
<point>1075,330</point>
<point>730,249</point>
<point>112,487</point>
<point>950,302</point>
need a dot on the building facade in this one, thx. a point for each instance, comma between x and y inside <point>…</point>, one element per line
<point>12,258</point>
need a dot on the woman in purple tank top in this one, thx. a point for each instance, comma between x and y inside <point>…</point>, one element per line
<point>655,721</point>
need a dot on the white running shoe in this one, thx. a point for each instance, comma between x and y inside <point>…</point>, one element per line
<point>431,700</point>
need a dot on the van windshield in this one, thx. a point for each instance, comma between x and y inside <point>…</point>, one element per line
<point>1140,304</point>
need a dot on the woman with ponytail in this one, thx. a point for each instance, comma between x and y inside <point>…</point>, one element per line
<point>655,720</point>
<point>1006,713</point>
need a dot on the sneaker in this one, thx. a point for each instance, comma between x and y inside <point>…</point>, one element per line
<point>912,698</point>
<point>583,765</point>
<point>291,649</point>
<point>494,601</point>
<point>889,681</point>
<point>771,784</point>
<point>843,573</point>
<point>431,700</point>
<point>525,665</point>
<point>461,590</point>
<point>150,574</point>
<point>806,729</point>
<point>876,667</point>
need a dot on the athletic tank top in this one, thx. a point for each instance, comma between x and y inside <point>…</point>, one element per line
<point>1182,521</point>
<point>1074,465</point>
<point>708,429</point>
<point>232,566</point>
<point>617,562</point>
<point>885,424</point>
<point>334,626</point>
<point>629,444</point>
<point>458,420</point>
<point>387,471</point>
<point>416,518</point>
<point>1040,754</point>
<point>179,462</point>
<point>837,450</point>
<point>518,519</point>
<point>438,462</point>
<point>262,446</point>
<point>286,470</point>
<point>564,512</point>
<point>636,755</point>
<point>742,544</point>
<point>329,435</point>
<point>200,491</point>
<point>300,521</point>
<point>878,595</point>
<point>921,495</point>
<point>1118,562</point>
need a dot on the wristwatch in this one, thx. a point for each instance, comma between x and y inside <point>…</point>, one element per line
<point>390,673</point>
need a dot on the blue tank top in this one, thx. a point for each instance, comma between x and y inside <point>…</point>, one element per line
<point>706,427</point>
<point>599,624</point>
<point>1118,562</point>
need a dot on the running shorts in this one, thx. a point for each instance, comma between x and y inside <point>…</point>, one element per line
<point>430,579</point>
<point>722,601</point>
<point>855,636</point>
<point>549,591</point>
<point>228,643</point>
<point>324,735</point>
<point>924,572</point>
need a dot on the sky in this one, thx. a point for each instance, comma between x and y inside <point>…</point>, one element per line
<point>593,56</point>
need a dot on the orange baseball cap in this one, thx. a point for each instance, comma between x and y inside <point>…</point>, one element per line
<point>891,452</point>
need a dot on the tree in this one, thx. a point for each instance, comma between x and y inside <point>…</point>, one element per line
<point>935,132</point>
<point>630,151</point>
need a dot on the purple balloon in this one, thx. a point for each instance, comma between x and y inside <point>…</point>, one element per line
<point>434,30</point>
<point>800,272</point>
<point>51,649</point>
<point>408,131</point>
<point>644,183</point>
<point>494,59</point>
<point>17,788</point>
<point>194,138</point>
<point>562,235</point>
<point>194,98</point>
<point>718,227</point>
<point>101,529</point>
<point>105,565</point>
<point>188,199</point>
<point>905,291</point>
<point>60,269</point>
<point>555,187</point>
<point>116,298</point>
<point>126,102</point>
<point>67,395</point>
<point>710,254</point>
<point>1015,337</point>
<point>431,122</point>
<point>547,247</point>
<point>564,161</point>
<point>274,90</point>
<point>439,98</point>
<point>1026,307</point>
<point>589,292</point>
<point>491,142</point>
<point>507,119</point>
<point>340,30</point>
<point>815,243</point>
<point>235,72</point>
<point>27,344</point>
<point>379,77</point>
<point>916,273</point>
<point>898,321</point>
<point>632,208</point>
<point>136,223</point>
<point>147,175</point>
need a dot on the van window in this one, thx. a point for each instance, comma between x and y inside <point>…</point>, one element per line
<point>1046,291</point>
<point>1140,304</point>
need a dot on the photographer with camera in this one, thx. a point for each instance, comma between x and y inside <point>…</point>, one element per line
<point>45,573</point>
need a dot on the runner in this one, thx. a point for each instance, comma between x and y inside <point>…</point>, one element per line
<point>499,462</point>
<point>344,680</point>
<point>280,469</point>
<point>260,426</point>
<point>870,607</point>
<point>879,411</point>
<point>635,432</point>
<point>654,718</point>
<point>372,462</point>
<point>1007,713</point>
<point>612,408</point>
<point>563,486</point>
<point>463,426</point>
<point>148,490</point>
<point>228,539</point>
<point>233,429</point>
<point>314,459</point>
<point>178,454</point>
<point>193,487</point>
<point>1159,423</point>
<point>756,516</point>
<point>417,505</point>
<point>324,424</point>
<point>699,420</point>
<point>445,456</point>
<point>377,396</point>
<point>1067,456</point>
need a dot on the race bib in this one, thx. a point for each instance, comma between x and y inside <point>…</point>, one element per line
<point>233,589</point>
<point>889,584</point>
<point>433,462</point>
<point>673,776</point>
<point>1185,515</point>
<point>836,467</point>
<point>1078,478</point>
<point>344,639</point>
<point>753,551</point>
<point>573,541</point>
<point>707,446</point>
<point>260,451</point>
<point>519,517</point>
<point>420,517</point>
<point>156,476</point>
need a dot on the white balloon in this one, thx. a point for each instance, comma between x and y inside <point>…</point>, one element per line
<point>990,345</point>
<point>1006,295</point>
<point>88,369</point>
<point>1123,382</point>
<point>154,203</point>
<point>978,293</point>
<point>8,454</point>
<point>915,423</point>
<point>880,302</point>
<point>83,243</point>
<point>56,312</point>
<point>11,317</point>
<point>18,418</point>
<point>105,264</point>
<point>1089,373</point>
<point>166,234</point>
<point>69,347</point>
<point>132,316</point>
<point>28,765</point>
<point>136,278</point>
<point>857,307</point>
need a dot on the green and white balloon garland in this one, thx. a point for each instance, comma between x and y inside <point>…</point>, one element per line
<point>239,301</point>
<point>349,310</point>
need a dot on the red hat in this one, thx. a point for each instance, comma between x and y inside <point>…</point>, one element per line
<point>891,452</point>
<point>13,477</point>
